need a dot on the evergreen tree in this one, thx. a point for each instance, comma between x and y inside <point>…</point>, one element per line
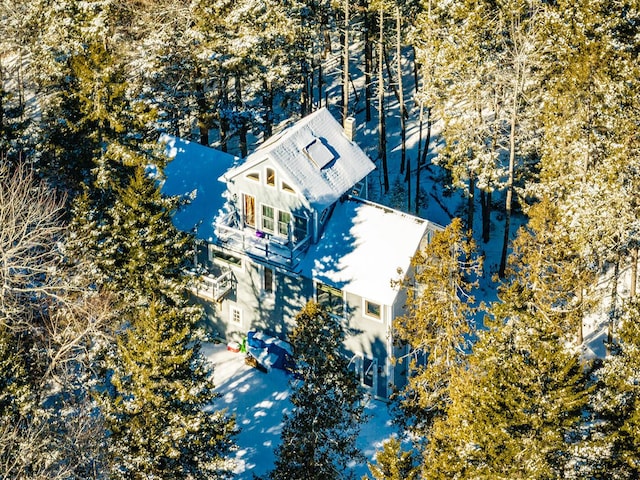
<point>392,463</point>
<point>158,398</point>
<point>618,403</point>
<point>516,411</point>
<point>137,252</point>
<point>319,435</point>
<point>438,323</point>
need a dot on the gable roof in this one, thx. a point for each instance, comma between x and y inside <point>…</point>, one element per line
<point>364,247</point>
<point>314,153</point>
<point>194,170</point>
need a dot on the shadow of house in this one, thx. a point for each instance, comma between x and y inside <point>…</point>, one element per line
<point>285,229</point>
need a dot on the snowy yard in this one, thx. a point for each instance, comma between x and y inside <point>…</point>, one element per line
<point>258,400</point>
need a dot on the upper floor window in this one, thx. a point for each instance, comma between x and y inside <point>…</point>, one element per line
<point>255,176</point>
<point>287,188</point>
<point>271,177</point>
<point>268,218</point>
<point>283,223</point>
<point>330,298</point>
<point>299,228</point>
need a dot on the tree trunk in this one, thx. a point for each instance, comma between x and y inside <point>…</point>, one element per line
<point>223,101</point>
<point>613,311</point>
<point>382,140</point>
<point>416,68</point>
<point>408,180</point>
<point>581,319</point>
<point>485,204</point>
<point>345,80</point>
<point>634,272</point>
<point>203,123</point>
<point>2,93</point>
<point>512,162</point>
<point>391,84</point>
<point>243,124</point>
<point>267,104</point>
<point>403,127</point>
<point>418,158</point>
<point>471,201</point>
<point>320,84</point>
<point>368,64</point>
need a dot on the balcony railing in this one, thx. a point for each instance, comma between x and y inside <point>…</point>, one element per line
<point>260,244</point>
<point>213,287</point>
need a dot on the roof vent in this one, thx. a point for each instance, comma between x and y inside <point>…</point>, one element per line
<point>319,153</point>
<point>350,128</point>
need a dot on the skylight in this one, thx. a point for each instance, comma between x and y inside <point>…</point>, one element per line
<point>319,153</point>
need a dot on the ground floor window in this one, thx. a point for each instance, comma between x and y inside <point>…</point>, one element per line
<point>236,315</point>
<point>268,278</point>
<point>331,298</point>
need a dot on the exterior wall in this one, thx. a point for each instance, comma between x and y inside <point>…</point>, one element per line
<point>273,196</point>
<point>366,338</point>
<point>249,306</point>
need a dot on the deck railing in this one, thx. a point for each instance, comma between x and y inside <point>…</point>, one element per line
<point>213,287</point>
<point>261,244</point>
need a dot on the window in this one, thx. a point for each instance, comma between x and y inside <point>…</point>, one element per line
<point>267,218</point>
<point>249,211</point>
<point>287,188</point>
<point>215,254</point>
<point>236,316</point>
<point>372,310</point>
<point>271,177</point>
<point>267,280</point>
<point>299,228</point>
<point>283,223</point>
<point>255,176</point>
<point>319,153</point>
<point>330,298</point>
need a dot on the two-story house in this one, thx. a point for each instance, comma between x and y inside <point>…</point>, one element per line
<point>288,224</point>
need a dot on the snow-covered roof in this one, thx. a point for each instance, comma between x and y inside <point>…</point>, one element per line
<point>194,170</point>
<point>363,248</point>
<point>314,153</point>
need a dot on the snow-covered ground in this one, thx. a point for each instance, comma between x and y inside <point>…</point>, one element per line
<point>259,400</point>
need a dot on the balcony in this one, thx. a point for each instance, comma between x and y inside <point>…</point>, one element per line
<point>213,287</point>
<point>261,245</point>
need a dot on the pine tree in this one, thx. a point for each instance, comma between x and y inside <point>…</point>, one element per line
<point>136,250</point>
<point>158,398</point>
<point>318,436</point>
<point>516,411</point>
<point>618,403</point>
<point>439,322</point>
<point>392,463</point>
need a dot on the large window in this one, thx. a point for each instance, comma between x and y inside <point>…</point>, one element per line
<point>249,210</point>
<point>283,223</point>
<point>268,218</point>
<point>330,298</point>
